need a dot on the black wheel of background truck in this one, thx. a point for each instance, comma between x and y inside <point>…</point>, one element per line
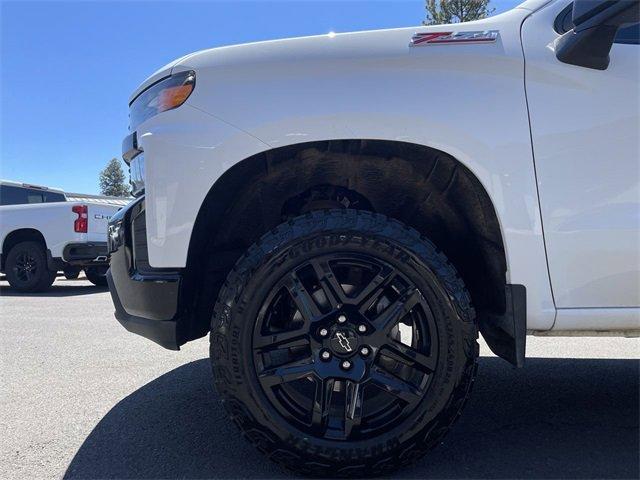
<point>343,344</point>
<point>97,275</point>
<point>71,273</point>
<point>26,268</point>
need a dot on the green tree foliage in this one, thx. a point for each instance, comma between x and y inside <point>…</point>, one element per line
<point>456,11</point>
<point>113,180</point>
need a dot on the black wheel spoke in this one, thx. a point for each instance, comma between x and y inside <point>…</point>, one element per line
<point>302,298</point>
<point>329,283</point>
<point>352,407</point>
<point>287,373</point>
<point>322,404</point>
<point>425,363</point>
<point>288,339</point>
<point>394,385</point>
<point>375,288</point>
<point>397,310</point>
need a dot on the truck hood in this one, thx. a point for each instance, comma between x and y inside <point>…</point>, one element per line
<point>363,44</point>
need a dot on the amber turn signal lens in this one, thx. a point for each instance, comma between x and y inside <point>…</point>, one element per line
<point>173,97</point>
<point>166,94</point>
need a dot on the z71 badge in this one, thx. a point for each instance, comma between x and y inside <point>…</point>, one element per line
<point>437,38</point>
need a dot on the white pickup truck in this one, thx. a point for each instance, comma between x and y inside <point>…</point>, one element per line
<point>42,233</point>
<point>344,213</point>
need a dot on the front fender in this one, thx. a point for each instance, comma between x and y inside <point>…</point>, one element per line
<point>465,100</point>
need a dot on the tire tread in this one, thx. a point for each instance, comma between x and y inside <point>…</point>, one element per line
<point>367,463</point>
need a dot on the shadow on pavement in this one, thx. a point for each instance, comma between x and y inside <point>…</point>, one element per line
<point>56,290</point>
<point>557,418</point>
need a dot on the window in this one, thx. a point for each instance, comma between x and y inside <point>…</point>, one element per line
<point>34,197</point>
<point>627,35</point>
<point>53,197</point>
<point>11,195</point>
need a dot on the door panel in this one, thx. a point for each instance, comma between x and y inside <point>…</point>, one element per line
<point>584,126</point>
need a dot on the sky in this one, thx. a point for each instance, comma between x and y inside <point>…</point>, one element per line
<point>67,68</point>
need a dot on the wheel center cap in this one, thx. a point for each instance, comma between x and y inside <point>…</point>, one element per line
<point>344,342</point>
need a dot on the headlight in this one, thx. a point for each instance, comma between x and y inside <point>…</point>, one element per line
<point>166,94</point>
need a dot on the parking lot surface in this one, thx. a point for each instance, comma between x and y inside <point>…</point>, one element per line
<point>83,398</point>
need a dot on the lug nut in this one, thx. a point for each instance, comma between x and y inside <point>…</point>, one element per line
<point>324,332</point>
<point>346,365</point>
<point>364,351</point>
<point>342,318</point>
<point>362,328</point>
<point>325,355</point>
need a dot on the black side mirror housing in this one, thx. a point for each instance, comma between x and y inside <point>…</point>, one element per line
<point>596,23</point>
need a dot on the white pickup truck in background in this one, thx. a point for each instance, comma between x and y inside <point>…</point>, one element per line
<point>42,233</point>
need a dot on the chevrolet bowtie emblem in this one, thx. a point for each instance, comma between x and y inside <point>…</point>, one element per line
<point>344,341</point>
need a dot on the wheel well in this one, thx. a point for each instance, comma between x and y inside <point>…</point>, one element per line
<point>420,186</point>
<point>18,236</point>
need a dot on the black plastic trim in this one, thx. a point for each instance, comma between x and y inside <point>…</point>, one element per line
<point>54,264</point>
<point>161,332</point>
<point>506,334</point>
<point>146,304</point>
<point>82,253</point>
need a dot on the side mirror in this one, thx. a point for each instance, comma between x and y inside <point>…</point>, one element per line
<point>596,23</point>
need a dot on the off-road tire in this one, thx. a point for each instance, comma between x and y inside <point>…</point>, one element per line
<point>236,381</point>
<point>40,278</point>
<point>97,275</point>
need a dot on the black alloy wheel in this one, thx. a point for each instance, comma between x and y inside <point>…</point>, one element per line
<point>343,344</point>
<point>26,267</point>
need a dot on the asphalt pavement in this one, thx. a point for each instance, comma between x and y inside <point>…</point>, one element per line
<point>82,398</point>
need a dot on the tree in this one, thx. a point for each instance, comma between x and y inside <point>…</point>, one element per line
<point>113,181</point>
<point>456,11</point>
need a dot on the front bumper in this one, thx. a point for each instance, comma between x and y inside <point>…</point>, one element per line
<point>145,298</point>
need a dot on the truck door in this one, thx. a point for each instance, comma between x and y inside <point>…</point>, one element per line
<point>584,126</point>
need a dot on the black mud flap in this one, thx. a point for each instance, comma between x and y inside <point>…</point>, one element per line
<point>506,334</point>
